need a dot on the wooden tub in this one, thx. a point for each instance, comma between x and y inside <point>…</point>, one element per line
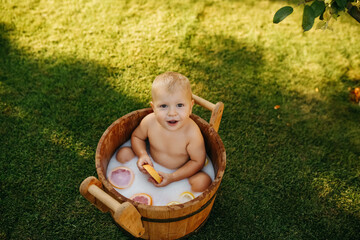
<point>155,222</point>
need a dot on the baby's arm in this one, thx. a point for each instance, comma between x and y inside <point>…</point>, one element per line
<point>138,144</point>
<point>197,154</point>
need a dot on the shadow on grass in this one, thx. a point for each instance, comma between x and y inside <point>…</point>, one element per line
<point>278,161</point>
<point>53,113</point>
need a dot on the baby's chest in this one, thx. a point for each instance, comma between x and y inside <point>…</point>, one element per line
<point>176,144</point>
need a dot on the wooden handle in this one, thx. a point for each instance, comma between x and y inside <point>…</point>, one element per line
<point>125,214</point>
<point>216,110</point>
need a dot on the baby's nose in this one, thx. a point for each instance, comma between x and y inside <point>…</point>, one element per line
<point>172,111</point>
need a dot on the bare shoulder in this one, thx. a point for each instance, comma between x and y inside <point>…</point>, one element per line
<point>196,144</point>
<point>194,131</point>
<point>148,119</point>
<point>142,130</point>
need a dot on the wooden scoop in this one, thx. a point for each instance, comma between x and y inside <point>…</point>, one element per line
<point>153,173</point>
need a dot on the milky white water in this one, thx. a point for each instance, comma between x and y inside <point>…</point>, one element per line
<point>161,196</point>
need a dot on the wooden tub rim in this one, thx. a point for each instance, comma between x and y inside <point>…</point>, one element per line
<point>201,197</point>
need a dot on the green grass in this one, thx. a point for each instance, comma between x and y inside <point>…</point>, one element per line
<point>68,69</point>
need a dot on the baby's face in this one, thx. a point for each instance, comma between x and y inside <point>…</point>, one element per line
<point>172,109</point>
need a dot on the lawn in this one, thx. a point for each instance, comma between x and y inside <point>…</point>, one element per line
<point>68,69</point>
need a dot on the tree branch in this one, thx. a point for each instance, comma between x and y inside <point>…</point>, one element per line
<point>353,11</point>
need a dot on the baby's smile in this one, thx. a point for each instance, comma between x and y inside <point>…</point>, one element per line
<point>172,122</point>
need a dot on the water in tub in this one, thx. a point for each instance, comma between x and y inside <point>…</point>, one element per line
<point>161,196</point>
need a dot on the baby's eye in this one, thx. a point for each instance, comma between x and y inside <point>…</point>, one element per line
<point>163,106</point>
<point>180,105</point>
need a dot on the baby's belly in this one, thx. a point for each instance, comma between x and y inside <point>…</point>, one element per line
<point>169,161</point>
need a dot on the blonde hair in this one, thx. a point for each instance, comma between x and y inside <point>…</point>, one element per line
<point>172,81</point>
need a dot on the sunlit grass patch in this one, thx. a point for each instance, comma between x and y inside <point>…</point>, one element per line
<point>339,192</point>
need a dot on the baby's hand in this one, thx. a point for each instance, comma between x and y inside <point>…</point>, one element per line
<point>145,159</point>
<point>166,179</point>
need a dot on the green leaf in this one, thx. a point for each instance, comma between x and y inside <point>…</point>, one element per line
<point>282,13</point>
<point>318,7</point>
<point>341,4</point>
<point>308,18</point>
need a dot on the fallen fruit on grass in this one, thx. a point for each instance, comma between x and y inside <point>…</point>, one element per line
<point>142,198</point>
<point>355,94</point>
<point>186,196</point>
<point>152,173</point>
<point>121,177</point>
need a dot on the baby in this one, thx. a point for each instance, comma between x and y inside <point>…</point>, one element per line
<point>175,139</point>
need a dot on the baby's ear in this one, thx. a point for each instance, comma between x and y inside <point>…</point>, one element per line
<point>152,105</point>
